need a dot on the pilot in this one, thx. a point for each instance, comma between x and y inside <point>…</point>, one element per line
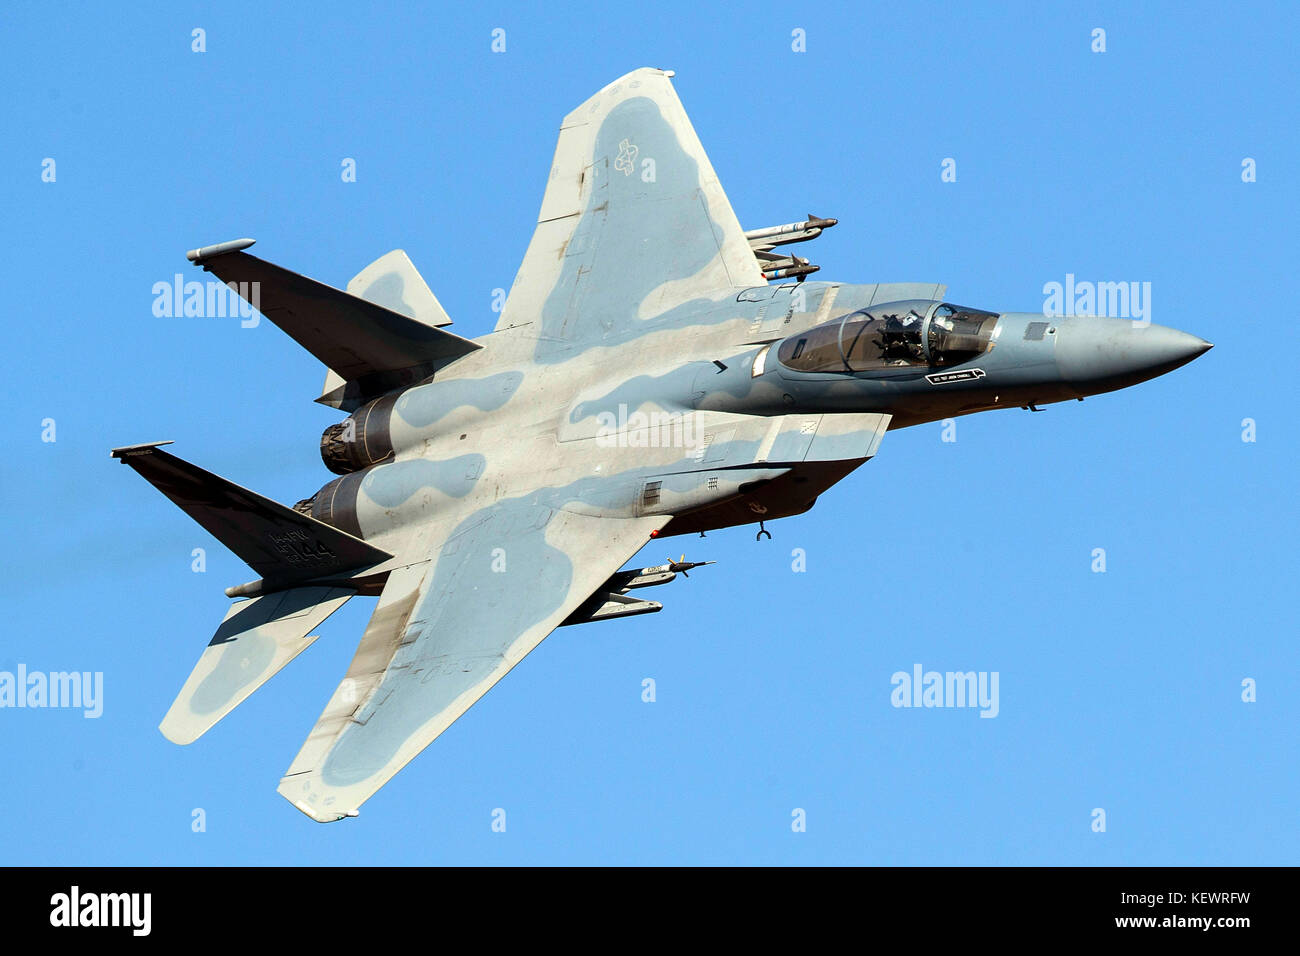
<point>902,337</point>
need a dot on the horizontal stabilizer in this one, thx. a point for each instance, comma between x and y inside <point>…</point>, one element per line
<point>256,639</point>
<point>282,545</point>
<point>355,336</point>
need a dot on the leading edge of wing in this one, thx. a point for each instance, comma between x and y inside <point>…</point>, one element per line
<point>444,632</point>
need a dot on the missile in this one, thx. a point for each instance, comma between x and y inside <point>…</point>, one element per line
<point>651,576</point>
<point>771,261</point>
<point>611,599</point>
<point>812,224</point>
<point>791,272</point>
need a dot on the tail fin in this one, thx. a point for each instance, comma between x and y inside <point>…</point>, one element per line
<point>393,282</point>
<point>285,547</point>
<point>256,639</point>
<point>375,340</point>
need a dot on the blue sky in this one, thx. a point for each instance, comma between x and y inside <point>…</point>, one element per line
<point>1119,690</point>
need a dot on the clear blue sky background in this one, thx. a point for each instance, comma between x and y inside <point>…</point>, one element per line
<point>1119,690</point>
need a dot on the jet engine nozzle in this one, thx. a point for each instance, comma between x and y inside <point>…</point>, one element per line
<point>360,440</point>
<point>336,504</point>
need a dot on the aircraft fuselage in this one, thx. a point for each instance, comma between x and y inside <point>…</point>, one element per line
<point>795,361</point>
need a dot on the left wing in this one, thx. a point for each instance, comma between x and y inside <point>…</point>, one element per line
<point>633,223</point>
<point>445,631</point>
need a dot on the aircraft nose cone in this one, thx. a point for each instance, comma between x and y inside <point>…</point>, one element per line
<point>1112,353</point>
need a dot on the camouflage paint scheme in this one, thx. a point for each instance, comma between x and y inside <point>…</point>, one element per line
<point>632,388</point>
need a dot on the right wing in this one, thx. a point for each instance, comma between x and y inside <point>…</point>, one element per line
<point>445,631</point>
<point>634,221</point>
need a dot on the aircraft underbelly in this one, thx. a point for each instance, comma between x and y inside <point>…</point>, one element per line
<point>791,494</point>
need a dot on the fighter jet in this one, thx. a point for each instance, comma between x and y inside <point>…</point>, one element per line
<point>656,371</point>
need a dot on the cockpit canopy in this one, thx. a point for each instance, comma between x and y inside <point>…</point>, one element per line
<point>957,334</point>
<point>896,334</point>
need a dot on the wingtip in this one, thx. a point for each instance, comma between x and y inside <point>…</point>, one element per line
<point>320,816</point>
<point>177,734</point>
